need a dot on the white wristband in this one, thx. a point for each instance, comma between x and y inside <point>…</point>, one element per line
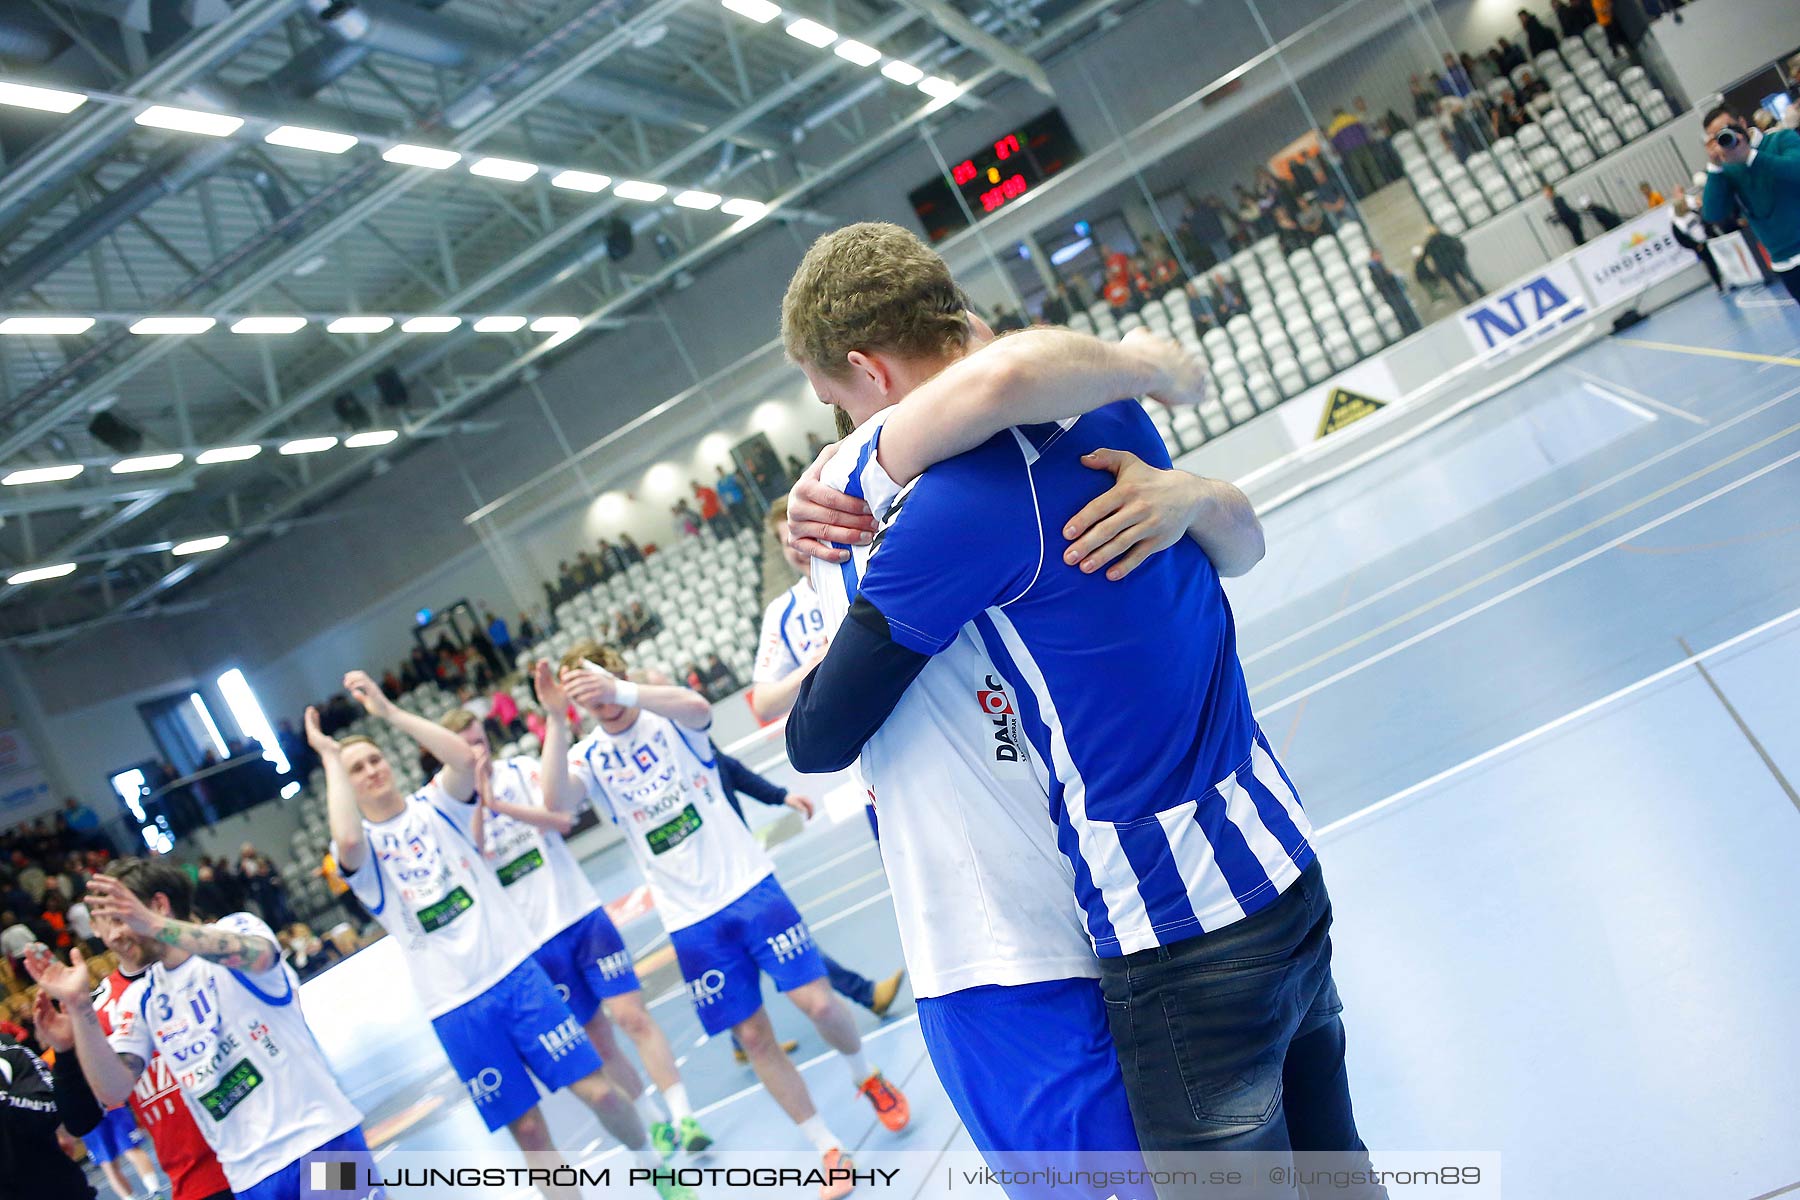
<point>625,694</point>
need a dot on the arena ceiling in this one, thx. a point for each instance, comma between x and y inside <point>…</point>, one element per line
<point>109,215</point>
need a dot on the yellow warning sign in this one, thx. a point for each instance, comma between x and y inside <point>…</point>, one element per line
<point>1344,407</point>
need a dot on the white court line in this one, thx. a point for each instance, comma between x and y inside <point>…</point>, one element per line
<point>1531,735</point>
<point>1517,589</point>
<point>864,848</point>
<point>1611,397</point>
<point>1593,381</point>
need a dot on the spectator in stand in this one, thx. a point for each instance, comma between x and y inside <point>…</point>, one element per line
<point>1755,176</point>
<point>1510,56</point>
<point>1690,231</point>
<point>340,891</point>
<point>630,549</point>
<point>695,680</point>
<point>1653,199</point>
<point>503,722</point>
<point>712,510</point>
<point>1569,18</point>
<point>721,680</point>
<point>1351,139</point>
<point>1474,69</point>
<point>15,938</point>
<point>264,886</point>
<point>1539,37</point>
<point>1604,217</point>
<point>646,623</point>
<point>527,634</point>
<point>1449,260</point>
<point>1118,294</point>
<point>83,824</point>
<point>1454,81</point>
<point>612,559</point>
<point>1424,98</point>
<point>1505,117</point>
<point>686,519</point>
<point>81,924</point>
<point>1606,15</point>
<point>1202,306</point>
<point>500,637</point>
<point>1007,319</point>
<point>1393,290</point>
<point>1231,300</point>
<point>1209,224</point>
<point>1288,232</point>
<point>1563,213</point>
<point>730,487</point>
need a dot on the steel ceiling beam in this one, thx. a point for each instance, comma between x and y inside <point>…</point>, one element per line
<point>952,22</point>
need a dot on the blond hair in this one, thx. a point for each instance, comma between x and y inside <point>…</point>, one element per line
<point>588,649</point>
<point>777,513</point>
<point>358,739</point>
<point>871,287</point>
<point>457,720</point>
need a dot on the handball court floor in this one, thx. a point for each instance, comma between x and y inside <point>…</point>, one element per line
<point>1534,673</point>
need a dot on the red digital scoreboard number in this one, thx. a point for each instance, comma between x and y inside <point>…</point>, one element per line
<point>964,172</point>
<point>1010,189</point>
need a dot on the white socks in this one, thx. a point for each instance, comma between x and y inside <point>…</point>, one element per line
<point>677,1098</point>
<point>859,1068</point>
<point>821,1137</point>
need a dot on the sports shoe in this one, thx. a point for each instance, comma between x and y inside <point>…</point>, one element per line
<point>890,1103</point>
<point>664,1140</point>
<point>743,1059</point>
<point>837,1189</point>
<point>885,991</point>
<point>693,1138</point>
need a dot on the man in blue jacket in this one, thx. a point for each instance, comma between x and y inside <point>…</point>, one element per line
<point>1756,175</point>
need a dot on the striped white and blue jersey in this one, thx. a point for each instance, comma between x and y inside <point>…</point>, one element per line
<point>793,629</point>
<point>1169,805</point>
<point>982,895</point>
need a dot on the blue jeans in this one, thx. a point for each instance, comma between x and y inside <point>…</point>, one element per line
<point>1232,1040</point>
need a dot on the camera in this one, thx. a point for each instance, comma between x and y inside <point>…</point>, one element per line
<point>1729,138</point>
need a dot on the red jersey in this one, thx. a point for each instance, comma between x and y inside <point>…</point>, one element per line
<point>157,1101</point>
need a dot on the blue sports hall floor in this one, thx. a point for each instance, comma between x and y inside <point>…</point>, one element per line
<point>1534,673</point>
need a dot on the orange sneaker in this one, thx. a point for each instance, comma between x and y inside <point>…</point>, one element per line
<point>836,1186</point>
<point>889,1101</point>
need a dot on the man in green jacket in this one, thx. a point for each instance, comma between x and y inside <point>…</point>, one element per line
<point>1756,174</point>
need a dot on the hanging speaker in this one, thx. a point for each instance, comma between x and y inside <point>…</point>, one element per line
<point>115,434</point>
<point>350,411</point>
<point>391,387</point>
<point>619,240</point>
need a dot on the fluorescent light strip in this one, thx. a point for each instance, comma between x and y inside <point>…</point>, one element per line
<point>760,11</point>
<point>429,324</point>
<point>903,73</point>
<point>171,325</point>
<point>580,181</point>
<point>637,189</point>
<point>429,157</point>
<point>146,462</point>
<point>301,138</point>
<point>556,325</point>
<point>227,454</point>
<point>199,706</point>
<point>940,89</point>
<point>308,445</point>
<point>23,95</point>
<point>812,33</point>
<point>697,200</point>
<point>268,325</point>
<point>200,545</point>
<point>499,324</point>
<point>360,325</point>
<point>23,326</point>
<point>375,437</point>
<point>42,474</point>
<point>503,168</point>
<point>744,208</point>
<point>860,53</point>
<point>187,120</point>
<point>38,574</point>
<point>248,714</point>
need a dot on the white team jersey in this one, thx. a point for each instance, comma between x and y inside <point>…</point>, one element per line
<point>981,892</point>
<point>534,865</point>
<point>237,1043</point>
<point>423,879</point>
<point>660,784</point>
<point>792,629</point>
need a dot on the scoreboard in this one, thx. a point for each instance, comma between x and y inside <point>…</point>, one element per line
<point>996,175</point>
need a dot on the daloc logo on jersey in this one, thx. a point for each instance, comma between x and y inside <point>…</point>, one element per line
<point>1008,752</point>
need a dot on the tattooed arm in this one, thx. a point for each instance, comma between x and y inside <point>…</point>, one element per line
<point>107,897</point>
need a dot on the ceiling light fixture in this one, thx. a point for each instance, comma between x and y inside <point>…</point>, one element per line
<point>199,545</point>
<point>227,454</point>
<point>580,181</point>
<point>903,73</point>
<point>38,574</point>
<point>188,120</point>
<point>637,189</point>
<point>302,138</point>
<point>374,437</point>
<point>556,324</point>
<point>760,11</point>
<point>310,445</point>
<point>429,324</point>
<point>812,33</point>
<point>744,208</point>
<point>499,324</point>
<point>23,95</point>
<point>940,89</point>
<point>428,157</point>
<point>698,200</point>
<point>168,325</point>
<point>503,168</point>
<point>146,462</point>
<point>42,474</point>
<point>360,325</point>
<point>268,325</point>
<point>860,53</point>
<point>23,326</point>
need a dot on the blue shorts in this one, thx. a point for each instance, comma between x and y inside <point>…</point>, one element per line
<point>1033,1074</point>
<point>518,1023</point>
<point>116,1133</point>
<point>723,957</point>
<point>588,963</point>
<point>345,1159</point>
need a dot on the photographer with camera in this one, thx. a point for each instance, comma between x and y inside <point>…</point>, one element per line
<point>1756,175</point>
